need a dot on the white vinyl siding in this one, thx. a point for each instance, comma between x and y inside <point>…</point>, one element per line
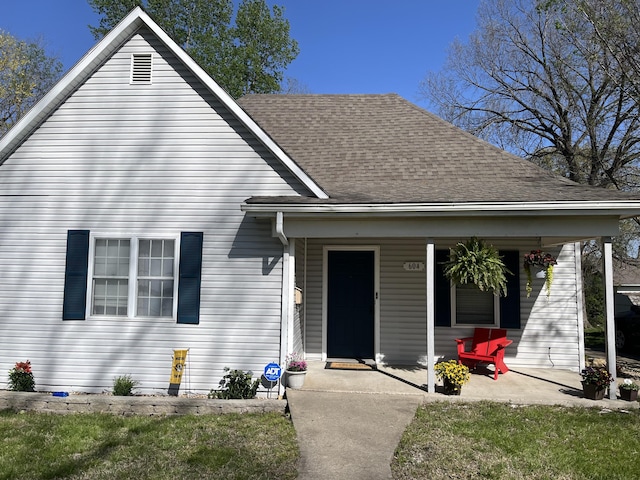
<point>123,161</point>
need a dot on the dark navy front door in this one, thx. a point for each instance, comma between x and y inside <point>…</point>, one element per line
<point>350,304</point>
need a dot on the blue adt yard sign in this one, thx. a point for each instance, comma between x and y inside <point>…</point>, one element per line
<point>272,372</point>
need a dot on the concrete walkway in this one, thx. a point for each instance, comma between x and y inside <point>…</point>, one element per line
<point>349,435</point>
<point>350,422</point>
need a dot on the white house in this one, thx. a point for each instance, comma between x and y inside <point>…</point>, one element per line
<point>144,210</point>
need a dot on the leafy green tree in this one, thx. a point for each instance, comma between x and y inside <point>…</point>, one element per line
<point>26,74</point>
<point>248,56</point>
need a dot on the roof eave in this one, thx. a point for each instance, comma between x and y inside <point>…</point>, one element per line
<point>622,209</point>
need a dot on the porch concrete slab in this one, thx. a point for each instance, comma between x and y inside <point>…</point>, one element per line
<point>550,386</point>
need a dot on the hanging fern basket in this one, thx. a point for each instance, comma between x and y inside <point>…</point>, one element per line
<point>477,263</point>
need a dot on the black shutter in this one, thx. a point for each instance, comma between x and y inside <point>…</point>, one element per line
<point>510,305</point>
<point>74,304</point>
<point>443,291</point>
<point>190,277</point>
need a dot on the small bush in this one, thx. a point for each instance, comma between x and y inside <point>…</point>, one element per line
<point>123,386</point>
<point>236,385</point>
<point>21,378</point>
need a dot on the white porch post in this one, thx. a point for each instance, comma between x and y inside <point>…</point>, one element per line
<point>610,313</point>
<point>287,306</point>
<point>431,314</point>
<point>577,252</point>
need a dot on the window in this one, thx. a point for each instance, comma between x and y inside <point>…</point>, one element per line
<point>472,306</point>
<point>133,275</point>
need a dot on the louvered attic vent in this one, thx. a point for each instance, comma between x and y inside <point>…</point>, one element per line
<point>141,68</point>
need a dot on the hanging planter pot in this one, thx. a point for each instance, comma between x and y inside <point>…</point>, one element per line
<point>477,263</point>
<point>545,262</point>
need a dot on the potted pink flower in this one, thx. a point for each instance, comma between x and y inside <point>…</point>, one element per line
<point>295,371</point>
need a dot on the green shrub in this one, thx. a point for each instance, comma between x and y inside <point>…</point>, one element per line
<point>236,385</point>
<point>123,386</point>
<point>21,378</point>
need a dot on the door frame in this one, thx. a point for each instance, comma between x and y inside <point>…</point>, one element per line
<point>376,287</point>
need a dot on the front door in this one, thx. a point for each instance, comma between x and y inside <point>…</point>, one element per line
<point>350,304</point>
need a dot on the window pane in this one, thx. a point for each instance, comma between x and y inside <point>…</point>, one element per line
<point>167,307</point>
<point>143,267</point>
<point>156,267</point>
<point>168,248</point>
<point>167,268</point>
<point>101,248</point>
<point>155,307</point>
<point>473,306</point>
<point>145,248</point>
<point>156,248</point>
<point>143,307</point>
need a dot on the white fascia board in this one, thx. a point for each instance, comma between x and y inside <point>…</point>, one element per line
<point>620,208</point>
<point>132,22</point>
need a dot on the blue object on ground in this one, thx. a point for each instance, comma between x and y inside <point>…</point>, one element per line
<point>60,394</point>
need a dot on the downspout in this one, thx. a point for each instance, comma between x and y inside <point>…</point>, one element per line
<point>280,228</point>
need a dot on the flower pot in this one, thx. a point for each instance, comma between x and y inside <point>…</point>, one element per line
<point>592,391</point>
<point>294,380</point>
<point>451,388</point>
<point>628,395</point>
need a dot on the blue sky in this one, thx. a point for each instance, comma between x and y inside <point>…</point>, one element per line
<point>346,46</point>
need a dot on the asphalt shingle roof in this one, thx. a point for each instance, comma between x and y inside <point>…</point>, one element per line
<point>384,149</point>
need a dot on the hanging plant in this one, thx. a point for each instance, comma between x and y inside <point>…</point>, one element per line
<point>477,263</point>
<point>544,261</point>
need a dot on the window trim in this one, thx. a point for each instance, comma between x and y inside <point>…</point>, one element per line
<point>454,313</point>
<point>132,299</point>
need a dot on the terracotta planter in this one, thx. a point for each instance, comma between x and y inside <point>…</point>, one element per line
<point>451,388</point>
<point>592,392</point>
<point>629,395</point>
<point>294,380</point>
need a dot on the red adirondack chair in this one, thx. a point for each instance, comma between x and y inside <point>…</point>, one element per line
<point>487,346</point>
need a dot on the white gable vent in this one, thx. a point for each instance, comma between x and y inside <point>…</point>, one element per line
<point>141,68</point>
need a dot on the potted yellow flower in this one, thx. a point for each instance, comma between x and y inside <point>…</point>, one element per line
<point>453,375</point>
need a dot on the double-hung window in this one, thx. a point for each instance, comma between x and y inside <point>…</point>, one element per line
<point>472,306</point>
<point>133,277</point>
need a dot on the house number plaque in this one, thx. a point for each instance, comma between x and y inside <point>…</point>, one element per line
<point>414,266</point>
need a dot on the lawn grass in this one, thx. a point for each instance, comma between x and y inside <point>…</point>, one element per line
<point>101,446</point>
<point>498,441</point>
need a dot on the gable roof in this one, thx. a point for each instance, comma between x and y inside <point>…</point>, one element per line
<point>384,149</point>
<point>78,74</point>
